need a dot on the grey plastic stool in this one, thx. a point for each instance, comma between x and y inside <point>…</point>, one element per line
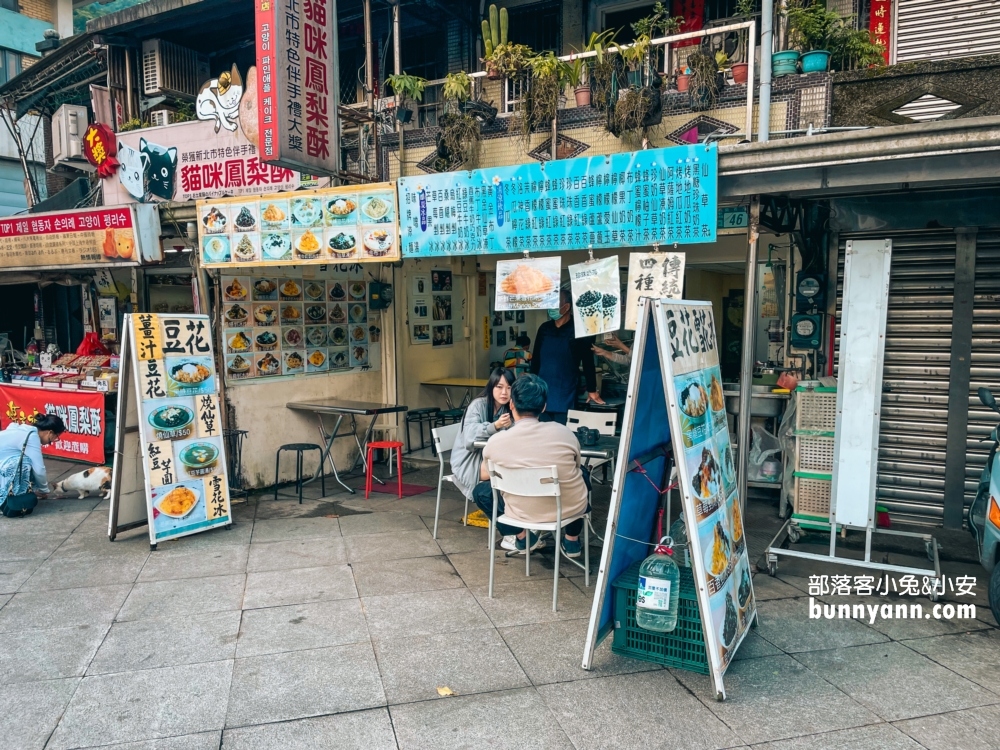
<point>300,449</point>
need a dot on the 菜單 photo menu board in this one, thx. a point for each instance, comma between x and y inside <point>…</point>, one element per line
<point>298,321</point>
<point>180,422</point>
<point>332,225</point>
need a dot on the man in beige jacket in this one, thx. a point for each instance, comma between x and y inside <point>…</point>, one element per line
<point>531,444</point>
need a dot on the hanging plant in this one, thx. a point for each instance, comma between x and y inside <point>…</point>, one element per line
<point>703,86</point>
<point>547,82</point>
<point>459,137</point>
<point>406,88</point>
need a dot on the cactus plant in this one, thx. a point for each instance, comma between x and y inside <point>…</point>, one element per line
<point>487,39</point>
<point>494,27</point>
<point>502,59</point>
<point>503,25</point>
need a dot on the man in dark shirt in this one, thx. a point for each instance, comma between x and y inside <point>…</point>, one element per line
<point>556,359</point>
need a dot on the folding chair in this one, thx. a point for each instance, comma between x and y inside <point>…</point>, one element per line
<point>535,482</point>
<point>443,439</point>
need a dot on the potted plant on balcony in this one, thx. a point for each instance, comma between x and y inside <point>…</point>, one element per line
<point>503,59</point>
<point>814,30</point>
<point>745,10</point>
<point>602,68</point>
<point>658,23</point>
<point>547,82</point>
<point>460,135</point>
<point>703,88</point>
<point>406,88</point>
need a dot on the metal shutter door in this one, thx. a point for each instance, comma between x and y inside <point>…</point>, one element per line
<point>985,356</point>
<point>938,29</point>
<point>913,429</point>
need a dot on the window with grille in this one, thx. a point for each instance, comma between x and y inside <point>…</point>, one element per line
<point>514,92</point>
<point>10,65</point>
<point>538,25</point>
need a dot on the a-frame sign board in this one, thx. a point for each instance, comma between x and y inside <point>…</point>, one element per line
<point>675,389</point>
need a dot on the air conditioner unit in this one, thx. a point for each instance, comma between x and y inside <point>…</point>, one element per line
<point>69,123</point>
<point>173,70</point>
<point>161,117</point>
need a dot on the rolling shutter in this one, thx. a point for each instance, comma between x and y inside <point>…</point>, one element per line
<point>941,29</point>
<point>985,356</point>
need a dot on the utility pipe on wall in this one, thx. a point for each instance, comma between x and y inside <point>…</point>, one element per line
<point>766,47</point>
<point>749,343</point>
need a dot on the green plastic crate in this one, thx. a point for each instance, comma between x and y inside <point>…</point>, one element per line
<point>684,648</point>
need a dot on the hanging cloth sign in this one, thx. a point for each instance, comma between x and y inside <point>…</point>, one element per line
<point>656,275</point>
<point>528,284</point>
<point>596,287</point>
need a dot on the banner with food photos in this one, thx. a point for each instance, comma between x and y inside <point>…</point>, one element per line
<point>596,288</point>
<point>706,465</point>
<point>298,321</point>
<point>354,224</point>
<point>183,452</point>
<point>528,284</point>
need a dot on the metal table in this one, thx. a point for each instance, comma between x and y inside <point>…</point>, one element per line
<point>340,409</point>
<point>467,383</point>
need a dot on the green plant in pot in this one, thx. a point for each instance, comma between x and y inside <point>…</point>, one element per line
<point>459,137</point>
<point>503,59</point>
<point>703,88</point>
<point>547,82</point>
<point>813,29</point>
<point>745,10</point>
<point>636,56</point>
<point>406,88</point>
<point>658,23</point>
<point>601,69</point>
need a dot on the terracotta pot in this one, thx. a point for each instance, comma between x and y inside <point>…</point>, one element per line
<point>740,72</point>
<point>582,94</point>
<point>682,82</point>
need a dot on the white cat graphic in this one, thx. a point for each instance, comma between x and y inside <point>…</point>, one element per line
<point>132,172</point>
<point>219,100</point>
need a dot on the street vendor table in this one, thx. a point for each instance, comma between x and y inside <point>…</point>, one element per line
<point>468,383</point>
<point>340,409</point>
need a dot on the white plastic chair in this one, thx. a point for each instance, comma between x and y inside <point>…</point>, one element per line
<point>535,482</point>
<point>603,422</point>
<point>444,440</point>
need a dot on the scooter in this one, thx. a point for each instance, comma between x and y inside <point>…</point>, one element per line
<point>984,514</point>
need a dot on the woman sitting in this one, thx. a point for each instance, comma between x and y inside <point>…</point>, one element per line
<point>27,439</point>
<point>487,414</point>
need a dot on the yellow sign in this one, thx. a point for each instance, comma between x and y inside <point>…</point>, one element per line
<point>341,225</point>
<point>486,333</point>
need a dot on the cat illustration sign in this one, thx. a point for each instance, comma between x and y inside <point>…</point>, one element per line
<point>197,160</point>
<point>84,237</point>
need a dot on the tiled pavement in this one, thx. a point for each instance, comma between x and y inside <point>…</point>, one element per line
<point>311,626</point>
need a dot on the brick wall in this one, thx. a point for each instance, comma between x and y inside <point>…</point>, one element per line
<point>53,183</point>
<point>41,9</point>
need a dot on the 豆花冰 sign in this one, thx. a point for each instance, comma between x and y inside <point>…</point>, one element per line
<point>191,161</point>
<point>667,195</point>
<point>82,412</point>
<point>297,92</point>
<point>180,424</point>
<point>333,225</point>
<point>80,237</point>
<point>707,470</point>
<point>100,149</point>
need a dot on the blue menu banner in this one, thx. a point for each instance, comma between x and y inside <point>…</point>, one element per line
<point>665,196</point>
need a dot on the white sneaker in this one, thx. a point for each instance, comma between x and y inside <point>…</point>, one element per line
<point>509,543</point>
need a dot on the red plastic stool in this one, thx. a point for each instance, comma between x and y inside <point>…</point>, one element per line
<point>389,445</point>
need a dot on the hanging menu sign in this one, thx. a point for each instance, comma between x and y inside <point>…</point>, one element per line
<point>656,275</point>
<point>297,84</point>
<point>182,450</point>
<point>667,195</point>
<point>333,225</point>
<point>709,494</point>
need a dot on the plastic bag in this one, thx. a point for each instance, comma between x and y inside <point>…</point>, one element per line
<point>789,447</point>
<point>765,461</point>
<point>91,345</point>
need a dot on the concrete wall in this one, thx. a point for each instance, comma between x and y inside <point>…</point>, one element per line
<point>867,97</point>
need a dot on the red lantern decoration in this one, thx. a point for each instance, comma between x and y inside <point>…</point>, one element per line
<point>100,147</point>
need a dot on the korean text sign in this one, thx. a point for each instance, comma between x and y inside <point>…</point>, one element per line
<point>667,195</point>
<point>705,463</point>
<point>70,238</point>
<point>296,84</point>
<point>180,424</point>
<point>80,411</point>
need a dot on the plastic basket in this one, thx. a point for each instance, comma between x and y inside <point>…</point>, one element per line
<point>814,453</point>
<point>816,409</point>
<point>812,496</point>
<point>683,648</point>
